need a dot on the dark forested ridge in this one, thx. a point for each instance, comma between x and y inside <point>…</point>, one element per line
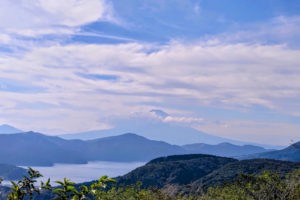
<point>231,171</point>
<point>179,170</point>
<point>195,173</point>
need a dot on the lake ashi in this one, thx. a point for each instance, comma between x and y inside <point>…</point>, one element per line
<point>86,172</point>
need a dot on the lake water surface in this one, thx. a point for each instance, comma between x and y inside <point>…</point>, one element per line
<point>86,172</point>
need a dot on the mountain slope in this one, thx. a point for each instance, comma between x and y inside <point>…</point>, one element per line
<point>7,129</point>
<point>11,172</point>
<point>231,171</point>
<point>169,133</point>
<point>152,125</point>
<point>34,149</point>
<point>129,147</point>
<point>178,170</point>
<point>291,153</point>
<point>195,173</point>
<point>223,149</point>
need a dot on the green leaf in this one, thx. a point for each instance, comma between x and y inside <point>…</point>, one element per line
<point>59,182</point>
<point>58,190</point>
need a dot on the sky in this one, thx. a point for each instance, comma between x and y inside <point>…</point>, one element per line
<point>226,67</point>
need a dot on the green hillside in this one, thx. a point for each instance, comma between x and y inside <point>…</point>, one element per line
<point>195,173</point>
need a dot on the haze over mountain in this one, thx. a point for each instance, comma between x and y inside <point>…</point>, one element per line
<point>170,133</point>
<point>224,149</point>
<point>6,129</point>
<point>159,125</point>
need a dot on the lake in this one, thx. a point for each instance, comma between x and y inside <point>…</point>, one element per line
<point>86,172</point>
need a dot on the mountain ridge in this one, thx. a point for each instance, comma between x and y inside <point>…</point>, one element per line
<point>195,173</point>
<point>290,153</point>
<point>95,134</point>
<point>224,149</point>
<point>8,129</point>
<point>36,149</point>
<point>31,148</point>
<point>159,125</point>
<point>11,172</point>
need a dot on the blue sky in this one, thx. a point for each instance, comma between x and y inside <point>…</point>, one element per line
<point>227,67</point>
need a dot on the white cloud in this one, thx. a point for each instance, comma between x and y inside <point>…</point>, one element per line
<point>4,38</point>
<point>240,75</point>
<point>71,12</point>
<point>183,120</point>
<point>236,76</point>
<point>35,17</point>
<point>165,117</point>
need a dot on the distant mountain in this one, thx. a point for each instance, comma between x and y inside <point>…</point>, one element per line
<point>159,113</point>
<point>11,172</point>
<point>7,129</point>
<point>155,126</point>
<point>223,149</point>
<point>151,125</point>
<point>196,172</point>
<point>291,153</point>
<point>129,147</point>
<point>35,149</point>
<point>170,133</point>
<point>30,149</point>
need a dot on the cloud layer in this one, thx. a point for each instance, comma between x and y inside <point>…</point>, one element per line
<point>67,85</point>
<point>33,18</point>
<point>237,76</point>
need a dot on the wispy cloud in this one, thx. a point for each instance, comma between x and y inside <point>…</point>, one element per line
<point>19,14</point>
<point>278,30</point>
<point>41,18</point>
<point>233,76</point>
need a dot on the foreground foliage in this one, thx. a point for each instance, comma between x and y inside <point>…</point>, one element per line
<point>266,186</point>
